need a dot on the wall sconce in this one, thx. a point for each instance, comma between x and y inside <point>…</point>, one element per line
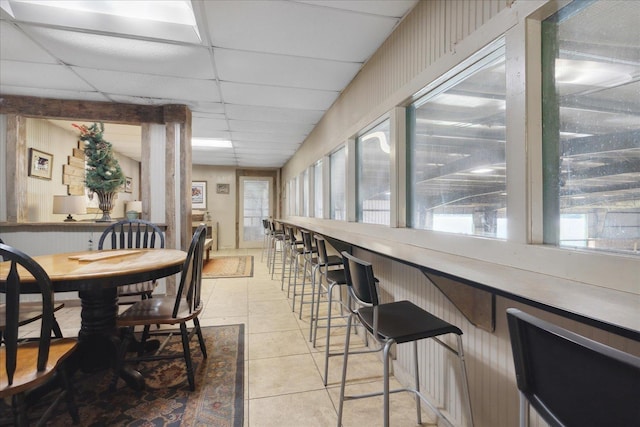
<point>69,205</point>
<point>133,209</point>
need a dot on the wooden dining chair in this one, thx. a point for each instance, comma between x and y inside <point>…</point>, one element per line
<point>29,365</point>
<point>133,234</point>
<point>178,310</point>
<point>30,311</point>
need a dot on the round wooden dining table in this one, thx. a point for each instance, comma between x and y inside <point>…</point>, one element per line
<point>96,276</point>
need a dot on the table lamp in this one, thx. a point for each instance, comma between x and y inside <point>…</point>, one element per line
<point>69,205</point>
<point>133,209</point>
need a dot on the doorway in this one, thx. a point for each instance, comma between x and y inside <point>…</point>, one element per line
<point>255,205</point>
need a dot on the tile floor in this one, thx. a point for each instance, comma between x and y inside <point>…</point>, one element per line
<point>283,371</point>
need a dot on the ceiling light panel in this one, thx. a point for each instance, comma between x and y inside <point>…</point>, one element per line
<point>319,32</point>
<point>277,96</point>
<point>124,54</point>
<point>150,86</point>
<point>283,70</point>
<point>96,19</point>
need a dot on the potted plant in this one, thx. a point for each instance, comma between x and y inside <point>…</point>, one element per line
<point>103,174</point>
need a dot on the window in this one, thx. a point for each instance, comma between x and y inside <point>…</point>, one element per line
<point>305,192</point>
<point>373,175</point>
<point>456,153</point>
<point>338,177</point>
<point>317,189</point>
<point>591,126</point>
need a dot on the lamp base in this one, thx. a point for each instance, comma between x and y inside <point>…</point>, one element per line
<point>69,218</point>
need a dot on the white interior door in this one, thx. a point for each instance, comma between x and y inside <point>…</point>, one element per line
<point>255,205</point>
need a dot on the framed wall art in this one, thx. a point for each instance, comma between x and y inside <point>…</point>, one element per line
<point>40,164</point>
<point>198,194</point>
<point>128,184</point>
<point>222,188</point>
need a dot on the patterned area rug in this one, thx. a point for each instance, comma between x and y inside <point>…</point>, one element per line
<point>218,400</point>
<point>228,266</point>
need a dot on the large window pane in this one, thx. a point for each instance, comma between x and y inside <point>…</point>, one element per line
<point>373,176</point>
<point>317,189</point>
<point>305,192</point>
<point>591,125</point>
<point>457,178</point>
<point>338,176</point>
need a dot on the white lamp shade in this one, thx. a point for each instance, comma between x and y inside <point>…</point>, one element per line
<point>69,205</point>
<point>134,205</point>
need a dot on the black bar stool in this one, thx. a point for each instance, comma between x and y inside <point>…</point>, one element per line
<point>308,270</point>
<point>397,322</point>
<point>291,253</point>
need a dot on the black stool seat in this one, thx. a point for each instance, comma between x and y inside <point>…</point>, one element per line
<point>336,276</point>
<point>403,321</point>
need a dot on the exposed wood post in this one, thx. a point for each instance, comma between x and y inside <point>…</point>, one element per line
<point>16,163</point>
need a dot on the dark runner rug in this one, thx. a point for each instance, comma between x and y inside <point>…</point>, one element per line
<point>228,266</point>
<point>218,400</point>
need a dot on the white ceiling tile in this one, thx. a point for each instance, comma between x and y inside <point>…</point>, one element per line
<point>26,74</point>
<point>198,107</point>
<point>237,93</point>
<point>395,8</point>
<point>218,134</point>
<point>262,137</point>
<point>296,29</point>
<point>283,70</point>
<point>51,93</point>
<point>205,126</point>
<point>150,86</point>
<point>279,115</point>
<point>300,129</point>
<point>125,54</point>
<point>21,48</point>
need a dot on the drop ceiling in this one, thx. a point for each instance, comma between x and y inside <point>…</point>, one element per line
<point>259,73</point>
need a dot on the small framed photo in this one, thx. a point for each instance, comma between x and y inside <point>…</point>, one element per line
<point>128,184</point>
<point>40,164</point>
<point>222,188</point>
<point>198,194</point>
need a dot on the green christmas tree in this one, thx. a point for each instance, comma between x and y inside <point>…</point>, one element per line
<point>103,171</point>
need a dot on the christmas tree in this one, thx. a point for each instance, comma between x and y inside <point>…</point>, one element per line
<point>103,172</point>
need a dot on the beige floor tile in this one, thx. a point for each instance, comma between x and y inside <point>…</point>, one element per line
<point>284,321</point>
<point>283,375</point>
<point>309,409</point>
<point>276,344</point>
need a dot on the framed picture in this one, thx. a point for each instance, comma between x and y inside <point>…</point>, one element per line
<point>128,184</point>
<point>198,194</point>
<point>40,164</point>
<point>222,188</point>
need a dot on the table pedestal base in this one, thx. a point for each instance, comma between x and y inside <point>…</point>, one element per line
<point>98,339</point>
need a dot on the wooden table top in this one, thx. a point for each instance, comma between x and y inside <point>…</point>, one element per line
<point>90,269</point>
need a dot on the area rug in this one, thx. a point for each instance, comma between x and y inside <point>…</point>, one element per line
<point>228,266</point>
<point>218,400</point>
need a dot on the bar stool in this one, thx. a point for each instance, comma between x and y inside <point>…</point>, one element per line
<point>308,270</point>
<point>265,239</point>
<point>277,240</point>
<point>321,269</point>
<point>397,322</point>
<point>291,244</point>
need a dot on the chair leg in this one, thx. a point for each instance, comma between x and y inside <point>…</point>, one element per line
<point>122,352</point>
<point>203,347</point>
<point>385,381</point>
<point>344,369</point>
<point>465,382</point>
<point>69,394</point>
<point>416,373</point>
<point>524,411</point>
<point>57,332</point>
<point>19,408</point>
<point>187,356</point>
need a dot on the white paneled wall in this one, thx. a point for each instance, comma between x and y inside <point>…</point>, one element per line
<point>488,354</point>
